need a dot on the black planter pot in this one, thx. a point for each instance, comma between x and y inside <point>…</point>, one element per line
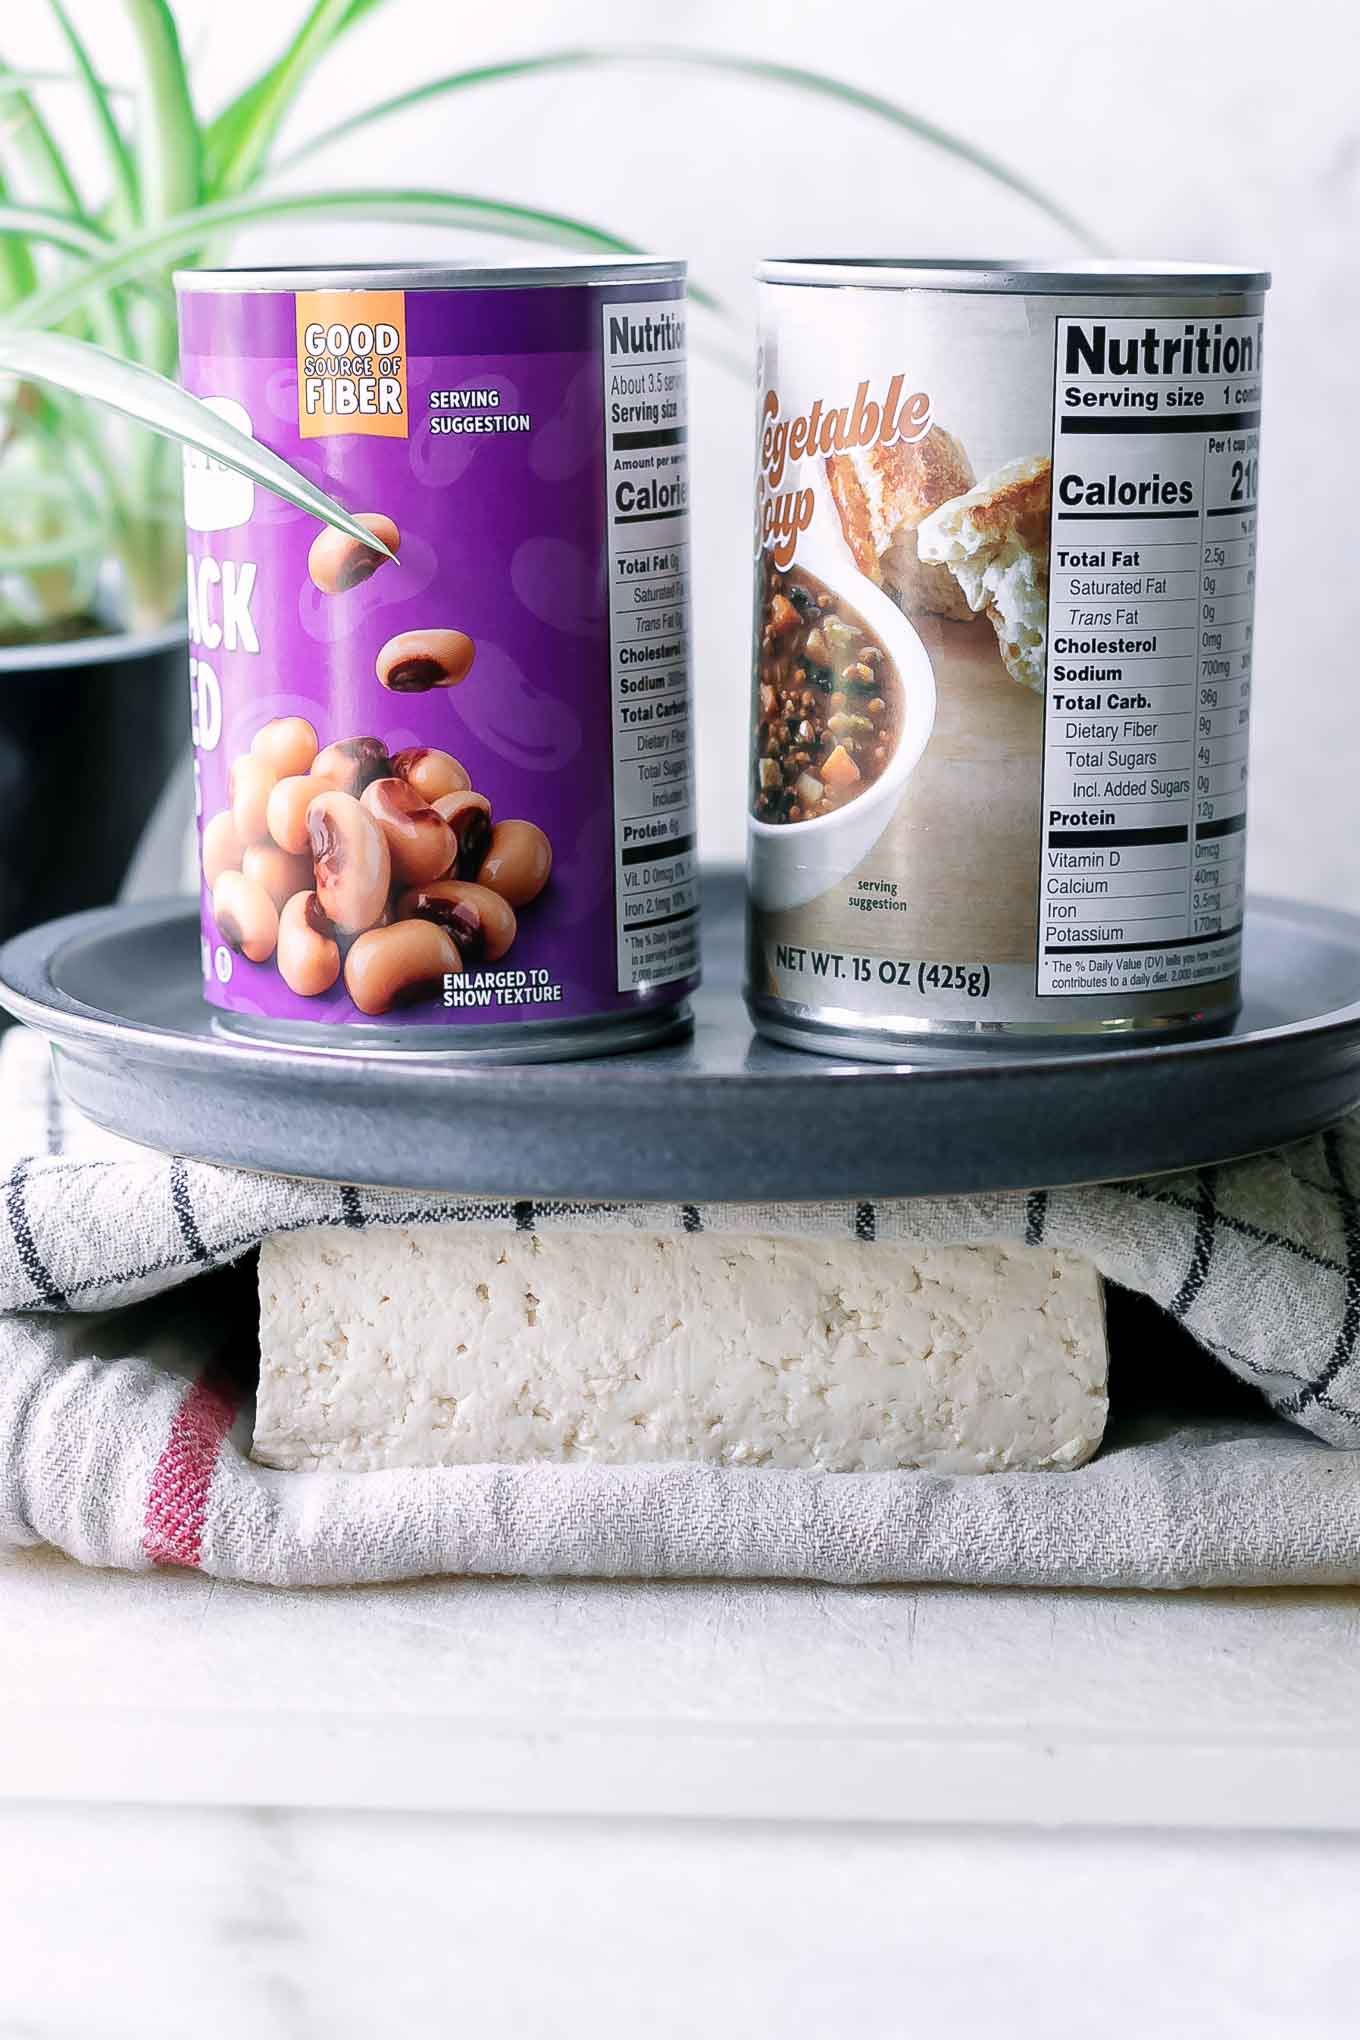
<point>89,734</point>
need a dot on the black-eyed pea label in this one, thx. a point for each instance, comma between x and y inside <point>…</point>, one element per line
<point>351,360</point>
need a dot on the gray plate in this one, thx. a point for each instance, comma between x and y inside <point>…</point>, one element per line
<point>723,1115</point>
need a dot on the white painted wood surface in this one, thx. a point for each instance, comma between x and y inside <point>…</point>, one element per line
<point>234,1811</point>
<point>1231,1710</point>
<point>128,1923</point>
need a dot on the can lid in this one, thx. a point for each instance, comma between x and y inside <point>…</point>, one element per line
<point>434,275</point>
<point>1114,278</point>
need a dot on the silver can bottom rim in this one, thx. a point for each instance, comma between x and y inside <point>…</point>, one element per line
<point>802,1028</point>
<point>458,1046</point>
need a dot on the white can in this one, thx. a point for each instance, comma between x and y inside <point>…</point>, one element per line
<point>1005,571</point>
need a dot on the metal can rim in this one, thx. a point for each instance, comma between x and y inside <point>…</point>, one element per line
<point>1113,278</point>
<point>416,276</point>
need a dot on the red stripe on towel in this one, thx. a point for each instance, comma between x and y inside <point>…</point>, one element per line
<point>178,1499</point>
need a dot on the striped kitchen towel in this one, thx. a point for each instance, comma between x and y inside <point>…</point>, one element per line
<point>123,1428</point>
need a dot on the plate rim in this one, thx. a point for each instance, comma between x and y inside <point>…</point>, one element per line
<point>27,992</point>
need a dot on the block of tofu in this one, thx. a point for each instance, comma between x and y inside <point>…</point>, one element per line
<point>440,1346</point>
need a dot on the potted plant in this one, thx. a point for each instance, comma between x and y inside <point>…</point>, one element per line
<point>91,554</point>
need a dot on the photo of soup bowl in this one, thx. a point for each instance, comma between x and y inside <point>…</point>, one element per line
<point>790,863</point>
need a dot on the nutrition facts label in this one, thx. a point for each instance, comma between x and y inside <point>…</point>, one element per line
<point>647,508</point>
<point>1153,566</point>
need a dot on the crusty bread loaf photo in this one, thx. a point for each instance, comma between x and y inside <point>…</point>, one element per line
<point>881,495</point>
<point>994,540</point>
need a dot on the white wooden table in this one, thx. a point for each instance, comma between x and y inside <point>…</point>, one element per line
<point>794,1811</point>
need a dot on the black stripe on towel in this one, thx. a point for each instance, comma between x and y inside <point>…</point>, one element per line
<point>1202,1249</point>
<point>1036,1217</point>
<point>525,1213</point>
<point>691,1218</point>
<point>1344,1348</point>
<point>866,1221</point>
<point>36,1269</point>
<point>184,1210</point>
<point>351,1210</point>
<point>1241,1228</point>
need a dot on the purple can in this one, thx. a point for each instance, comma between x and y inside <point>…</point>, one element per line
<point>446,799</point>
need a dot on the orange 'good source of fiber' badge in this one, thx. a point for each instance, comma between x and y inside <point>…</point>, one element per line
<point>351,358</point>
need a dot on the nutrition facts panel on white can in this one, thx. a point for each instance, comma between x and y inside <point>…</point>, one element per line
<point>1153,568</point>
<point>647,509</point>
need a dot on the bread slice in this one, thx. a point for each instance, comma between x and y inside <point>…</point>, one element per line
<point>995,541</point>
<point>881,494</point>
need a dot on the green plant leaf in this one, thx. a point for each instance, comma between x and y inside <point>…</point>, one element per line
<point>175,238</point>
<point>37,413</point>
<point>45,515</point>
<point>18,270</point>
<point>169,149</point>
<point>224,135</point>
<point>241,145</point>
<point>33,144</point>
<point>22,226</point>
<point>814,82</point>
<point>124,206</point>
<point>33,410</point>
<point>22,223</point>
<point>153,400</point>
<point>169,144</point>
<point>47,171</point>
<point>18,75</point>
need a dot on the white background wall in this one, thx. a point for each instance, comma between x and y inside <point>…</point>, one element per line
<point>1175,127</point>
